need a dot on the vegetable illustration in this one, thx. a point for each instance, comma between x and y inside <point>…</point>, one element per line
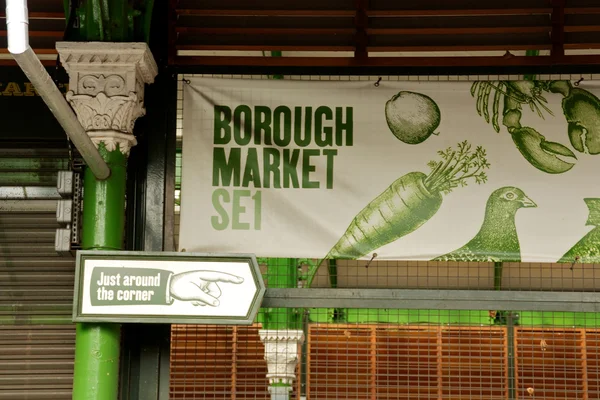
<point>581,109</point>
<point>412,117</point>
<point>587,250</point>
<point>497,239</point>
<point>408,203</point>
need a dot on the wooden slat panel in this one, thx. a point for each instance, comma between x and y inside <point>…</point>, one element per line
<point>593,363</point>
<point>473,363</point>
<point>340,360</point>
<point>348,361</point>
<point>217,362</point>
<point>251,368</point>
<point>407,363</point>
<point>201,362</point>
<point>391,26</point>
<point>549,362</point>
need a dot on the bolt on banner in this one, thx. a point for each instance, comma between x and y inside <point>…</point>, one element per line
<point>167,287</point>
<point>450,171</point>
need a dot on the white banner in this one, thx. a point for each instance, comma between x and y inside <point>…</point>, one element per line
<point>460,171</point>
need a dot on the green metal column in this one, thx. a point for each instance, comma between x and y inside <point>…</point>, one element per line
<point>97,347</point>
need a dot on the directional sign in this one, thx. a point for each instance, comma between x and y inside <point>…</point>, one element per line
<point>152,287</point>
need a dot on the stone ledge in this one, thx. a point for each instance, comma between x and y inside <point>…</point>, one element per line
<point>109,54</point>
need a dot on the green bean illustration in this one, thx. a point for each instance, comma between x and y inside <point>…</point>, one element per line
<point>587,250</point>
<point>412,117</point>
<point>533,146</point>
<point>409,202</point>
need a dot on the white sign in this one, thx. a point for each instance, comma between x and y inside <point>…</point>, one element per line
<point>167,287</point>
<point>455,171</point>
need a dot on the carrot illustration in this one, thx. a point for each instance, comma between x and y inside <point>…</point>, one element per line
<point>408,203</point>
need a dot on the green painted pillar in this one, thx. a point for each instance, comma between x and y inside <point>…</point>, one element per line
<point>101,95</point>
<point>97,347</point>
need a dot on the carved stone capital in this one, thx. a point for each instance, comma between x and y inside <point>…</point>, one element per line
<point>101,113</point>
<point>106,88</point>
<point>281,353</point>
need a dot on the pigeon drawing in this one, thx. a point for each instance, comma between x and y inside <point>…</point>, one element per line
<point>497,239</point>
<point>587,250</point>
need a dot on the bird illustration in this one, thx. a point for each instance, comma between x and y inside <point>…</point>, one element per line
<point>587,250</point>
<point>497,239</point>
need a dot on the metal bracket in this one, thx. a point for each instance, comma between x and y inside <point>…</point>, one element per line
<point>68,212</point>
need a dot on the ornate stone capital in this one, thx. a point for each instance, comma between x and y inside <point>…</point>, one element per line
<point>281,353</point>
<point>106,88</point>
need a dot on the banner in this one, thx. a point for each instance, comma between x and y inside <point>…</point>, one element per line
<point>451,171</point>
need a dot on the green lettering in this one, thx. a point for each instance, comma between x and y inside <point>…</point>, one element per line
<point>245,125</point>
<point>298,139</point>
<point>220,224</point>
<point>307,168</point>
<point>290,167</point>
<point>239,209</point>
<point>323,134</point>
<point>252,171</point>
<point>222,128</point>
<point>224,169</point>
<point>341,126</point>
<point>257,210</point>
<point>330,153</point>
<point>262,124</point>
<point>282,135</point>
<point>271,167</point>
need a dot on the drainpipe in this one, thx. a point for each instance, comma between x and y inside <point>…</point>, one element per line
<point>17,27</point>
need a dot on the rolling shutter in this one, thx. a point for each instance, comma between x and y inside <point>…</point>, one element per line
<point>37,339</point>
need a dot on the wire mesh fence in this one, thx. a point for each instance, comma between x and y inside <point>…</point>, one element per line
<point>417,355</point>
<point>398,353</point>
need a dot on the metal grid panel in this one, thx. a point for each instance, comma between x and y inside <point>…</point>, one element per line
<point>448,356</point>
<point>217,362</point>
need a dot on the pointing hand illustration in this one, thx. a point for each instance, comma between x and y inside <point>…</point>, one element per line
<point>200,287</point>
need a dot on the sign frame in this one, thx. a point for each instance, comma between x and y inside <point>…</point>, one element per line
<point>84,255</point>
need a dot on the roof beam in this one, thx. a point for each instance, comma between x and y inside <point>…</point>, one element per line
<point>475,61</point>
<point>558,28</point>
<point>361,23</point>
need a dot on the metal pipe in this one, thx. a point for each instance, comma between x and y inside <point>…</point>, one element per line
<point>17,27</point>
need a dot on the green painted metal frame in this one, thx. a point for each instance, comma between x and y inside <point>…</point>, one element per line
<point>109,20</point>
